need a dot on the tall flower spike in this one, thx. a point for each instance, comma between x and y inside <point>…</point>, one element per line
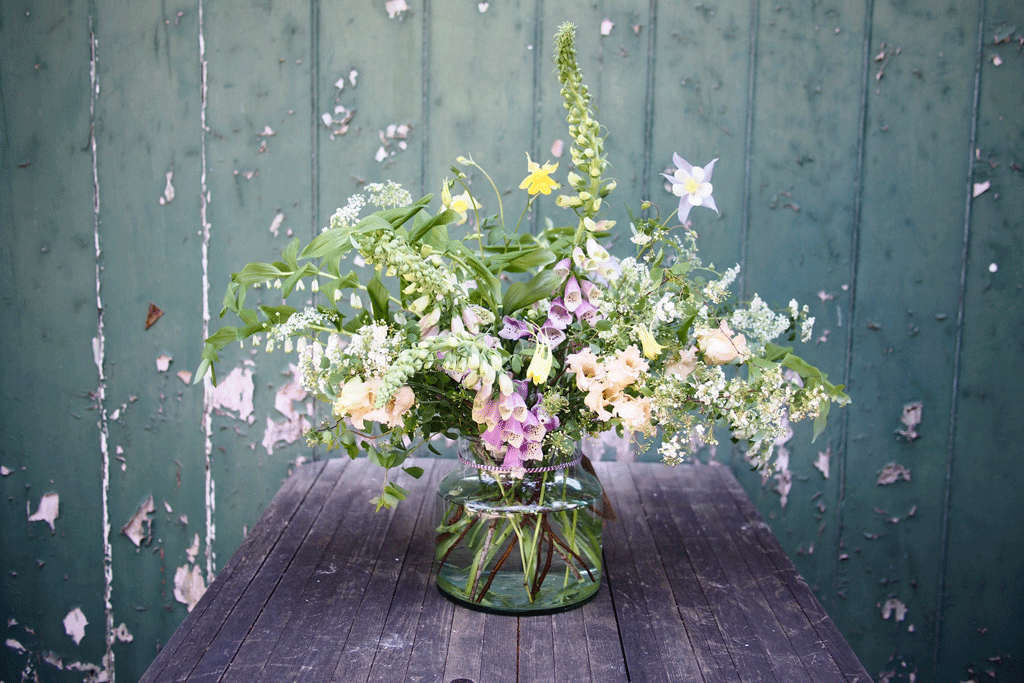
<point>587,150</point>
<point>692,184</point>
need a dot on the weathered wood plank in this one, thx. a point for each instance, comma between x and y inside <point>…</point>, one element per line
<point>49,425</point>
<point>738,634</point>
<point>339,581</point>
<point>793,621</point>
<point>671,633</point>
<point>398,637</point>
<point>626,582</point>
<point>294,506</point>
<point>981,609</point>
<point>259,565</point>
<point>706,637</point>
<point>281,631</point>
<point>783,568</point>
<point>904,328</point>
<point>379,599</point>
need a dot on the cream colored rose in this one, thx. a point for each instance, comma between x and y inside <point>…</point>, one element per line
<point>686,364</point>
<point>635,413</point>
<point>721,346</point>
<point>357,401</point>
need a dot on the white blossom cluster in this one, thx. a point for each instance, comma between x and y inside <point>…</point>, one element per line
<point>389,195</point>
<point>300,323</point>
<point>759,321</point>
<point>718,290</point>
<point>348,215</point>
<point>374,345</point>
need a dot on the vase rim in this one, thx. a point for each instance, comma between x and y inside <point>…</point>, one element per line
<point>500,469</point>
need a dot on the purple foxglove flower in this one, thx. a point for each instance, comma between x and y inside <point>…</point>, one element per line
<point>573,294</point>
<point>588,312</point>
<point>590,291</point>
<point>512,406</point>
<point>558,315</point>
<point>555,336</point>
<point>692,184</point>
<point>514,329</point>
<point>492,437</point>
<point>513,458</point>
<point>562,268</point>
<point>548,421</point>
<point>533,451</point>
<point>512,432</point>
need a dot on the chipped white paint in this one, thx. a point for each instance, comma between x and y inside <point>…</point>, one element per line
<point>894,606</point>
<point>275,225</point>
<point>340,84</point>
<point>606,27</point>
<point>558,148</point>
<point>168,508</point>
<point>396,8</point>
<point>185,376</point>
<point>168,195</point>
<point>352,76</point>
<point>482,6</point>
<point>892,473</point>
<point>193,550</point>
<point>188,585</point>
<point>163,362</point>
<point>993,267</point>
<point>16,646</point>
<point>296,425</point>
<point>140,526</point>
<point>99,359</point>
<point>823,463</point>
<point>233,394</point>
<point>982,188</point>
<point>4,472</point>
<point>48,510</point>
<point>74,624</point>
<point>204,202</point>
<point>911,418</point>
<point>122,634</point>
<point>267,132</point>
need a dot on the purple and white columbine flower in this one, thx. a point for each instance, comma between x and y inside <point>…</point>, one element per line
<point>692,185</point>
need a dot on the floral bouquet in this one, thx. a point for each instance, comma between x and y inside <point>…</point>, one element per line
<point>523,344</point>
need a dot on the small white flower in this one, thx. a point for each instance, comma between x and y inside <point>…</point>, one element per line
<point>692,184</point>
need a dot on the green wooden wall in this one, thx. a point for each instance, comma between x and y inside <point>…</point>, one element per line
<point>871,156</point>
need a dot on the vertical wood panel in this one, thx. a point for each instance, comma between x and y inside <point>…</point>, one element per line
<point>980,622</point>
<point>804,148</point>
<point>917,129</point>
<point>148,127</point>
<point>49,439</point>
<point>700,112</point>
<point>258,155</point>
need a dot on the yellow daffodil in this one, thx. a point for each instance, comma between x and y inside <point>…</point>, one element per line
<point>539,180</point>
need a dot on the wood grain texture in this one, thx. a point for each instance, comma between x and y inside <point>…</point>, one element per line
<point>346,595</point>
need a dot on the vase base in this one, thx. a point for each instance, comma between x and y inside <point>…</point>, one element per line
<point>521,611</point>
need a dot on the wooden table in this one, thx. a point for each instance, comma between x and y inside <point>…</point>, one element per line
<point>696,589</point>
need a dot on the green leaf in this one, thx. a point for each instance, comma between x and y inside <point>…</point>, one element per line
<point>443,218</point>
<point>379,298</point>
<point>820,421</point>
<point>413,471</point>
<point>254,273</point>
<point>290,253</point>
<point>520,295</point>
<point>276,315</point>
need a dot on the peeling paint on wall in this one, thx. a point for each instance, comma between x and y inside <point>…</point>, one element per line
<point>74,624</point>
<point>140,527</point>
<point>892,473</point>
<point>189,586</point>
<point>295,427</point>
<point>234,394</point>
<point>47,511</point>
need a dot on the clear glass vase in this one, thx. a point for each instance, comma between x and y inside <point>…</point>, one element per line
<point>518,542</point>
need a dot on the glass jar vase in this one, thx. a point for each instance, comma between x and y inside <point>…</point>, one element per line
<point>518,541</point>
